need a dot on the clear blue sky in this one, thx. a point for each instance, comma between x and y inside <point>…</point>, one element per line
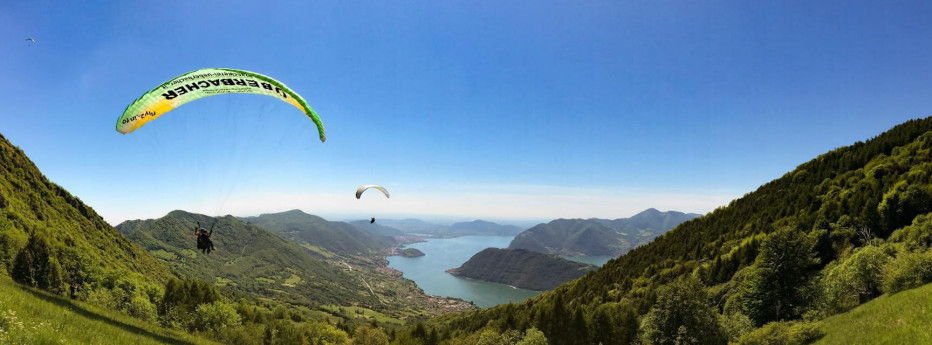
<point>471,109</point>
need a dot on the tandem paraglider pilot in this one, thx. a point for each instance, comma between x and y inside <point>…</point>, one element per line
<point>203,238</point>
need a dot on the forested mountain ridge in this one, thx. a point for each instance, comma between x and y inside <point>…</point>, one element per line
<point>76,240</point>
<point>247,258</point>
<point>376,228</point>
<point>521,268</point>
<point>315,233</point>
<point>599,237</point>
<point>825,216</point>
<point>650,220</point>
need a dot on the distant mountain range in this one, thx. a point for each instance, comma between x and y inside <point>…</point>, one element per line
<point>411,225</point>
<point>598,237</point>
<point>472,228</point>
<point>521,268</point>
<point>483,228</point>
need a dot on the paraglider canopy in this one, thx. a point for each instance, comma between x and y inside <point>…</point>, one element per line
<point>203,83</point>
<point>364,187</point>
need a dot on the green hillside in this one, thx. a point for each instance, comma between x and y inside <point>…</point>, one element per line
<point>377,228</point>
<point>521,268</point>
<point>572,237</point>
<point>248,258</point>
<point>803,245</point>
<point>902,318</point>
<point>31,205</point>
<point>29,316</point>
<point>314,232</point>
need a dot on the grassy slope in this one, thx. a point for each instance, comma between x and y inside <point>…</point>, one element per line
<point>903,318</point>
<point>50,319</point>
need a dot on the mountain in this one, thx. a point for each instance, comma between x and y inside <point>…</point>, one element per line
<point>83,243</point>
<point>572,237</point>
<point>377,229</point>
<point>247,258</point>
<point>482,228</point>
<point>847,226</point>
<point>598,237</point>
<point>415,226</point>
<point>650,220</point>
<point>320,235</point>
<point>473,228</point>
<point>521,268</point>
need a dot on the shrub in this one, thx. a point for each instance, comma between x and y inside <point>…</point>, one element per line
<point>736,325</point>
<point>782,333</point>
<point>855,280</point>
<point>917,236</point>
<point>907,271</point>
<point>216,316</point>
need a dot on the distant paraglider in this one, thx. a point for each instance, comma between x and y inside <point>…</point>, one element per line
<point>203,83</point>
<point>30,40</point>
<point>363,188</point>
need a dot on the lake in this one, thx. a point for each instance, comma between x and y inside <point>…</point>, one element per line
<point>441,254</point>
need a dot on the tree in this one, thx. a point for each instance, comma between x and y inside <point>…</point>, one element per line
<point>776,285</point>
<point>682,314</point>
<point>614,324</point>
<point>901,204</point>
<point>216,316</point>
<point>854,280</point>
<point>366,335</point>
<point>32,265</point>
<point>533,336</point>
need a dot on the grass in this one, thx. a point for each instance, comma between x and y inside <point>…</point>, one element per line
<point>292,281</point>
<point>29,316</point>
<point>319,250</point>
<point>361,313</point>
<point>903,318</point>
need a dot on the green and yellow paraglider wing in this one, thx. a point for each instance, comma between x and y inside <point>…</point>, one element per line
<point>203,83</point>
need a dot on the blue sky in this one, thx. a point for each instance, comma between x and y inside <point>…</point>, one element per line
<point>463,109</point>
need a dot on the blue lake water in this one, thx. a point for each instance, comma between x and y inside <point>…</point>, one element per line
<point>441,254</point>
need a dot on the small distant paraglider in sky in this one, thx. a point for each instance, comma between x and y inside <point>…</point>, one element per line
<point>28,39</point>
<point>363,188</point>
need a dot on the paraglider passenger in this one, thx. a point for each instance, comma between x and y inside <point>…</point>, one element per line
<point>372,220</point>
<point>203,238</point>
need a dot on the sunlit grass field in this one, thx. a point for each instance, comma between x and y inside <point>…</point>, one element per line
<point>903,318</point>
<point>28,316</point>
